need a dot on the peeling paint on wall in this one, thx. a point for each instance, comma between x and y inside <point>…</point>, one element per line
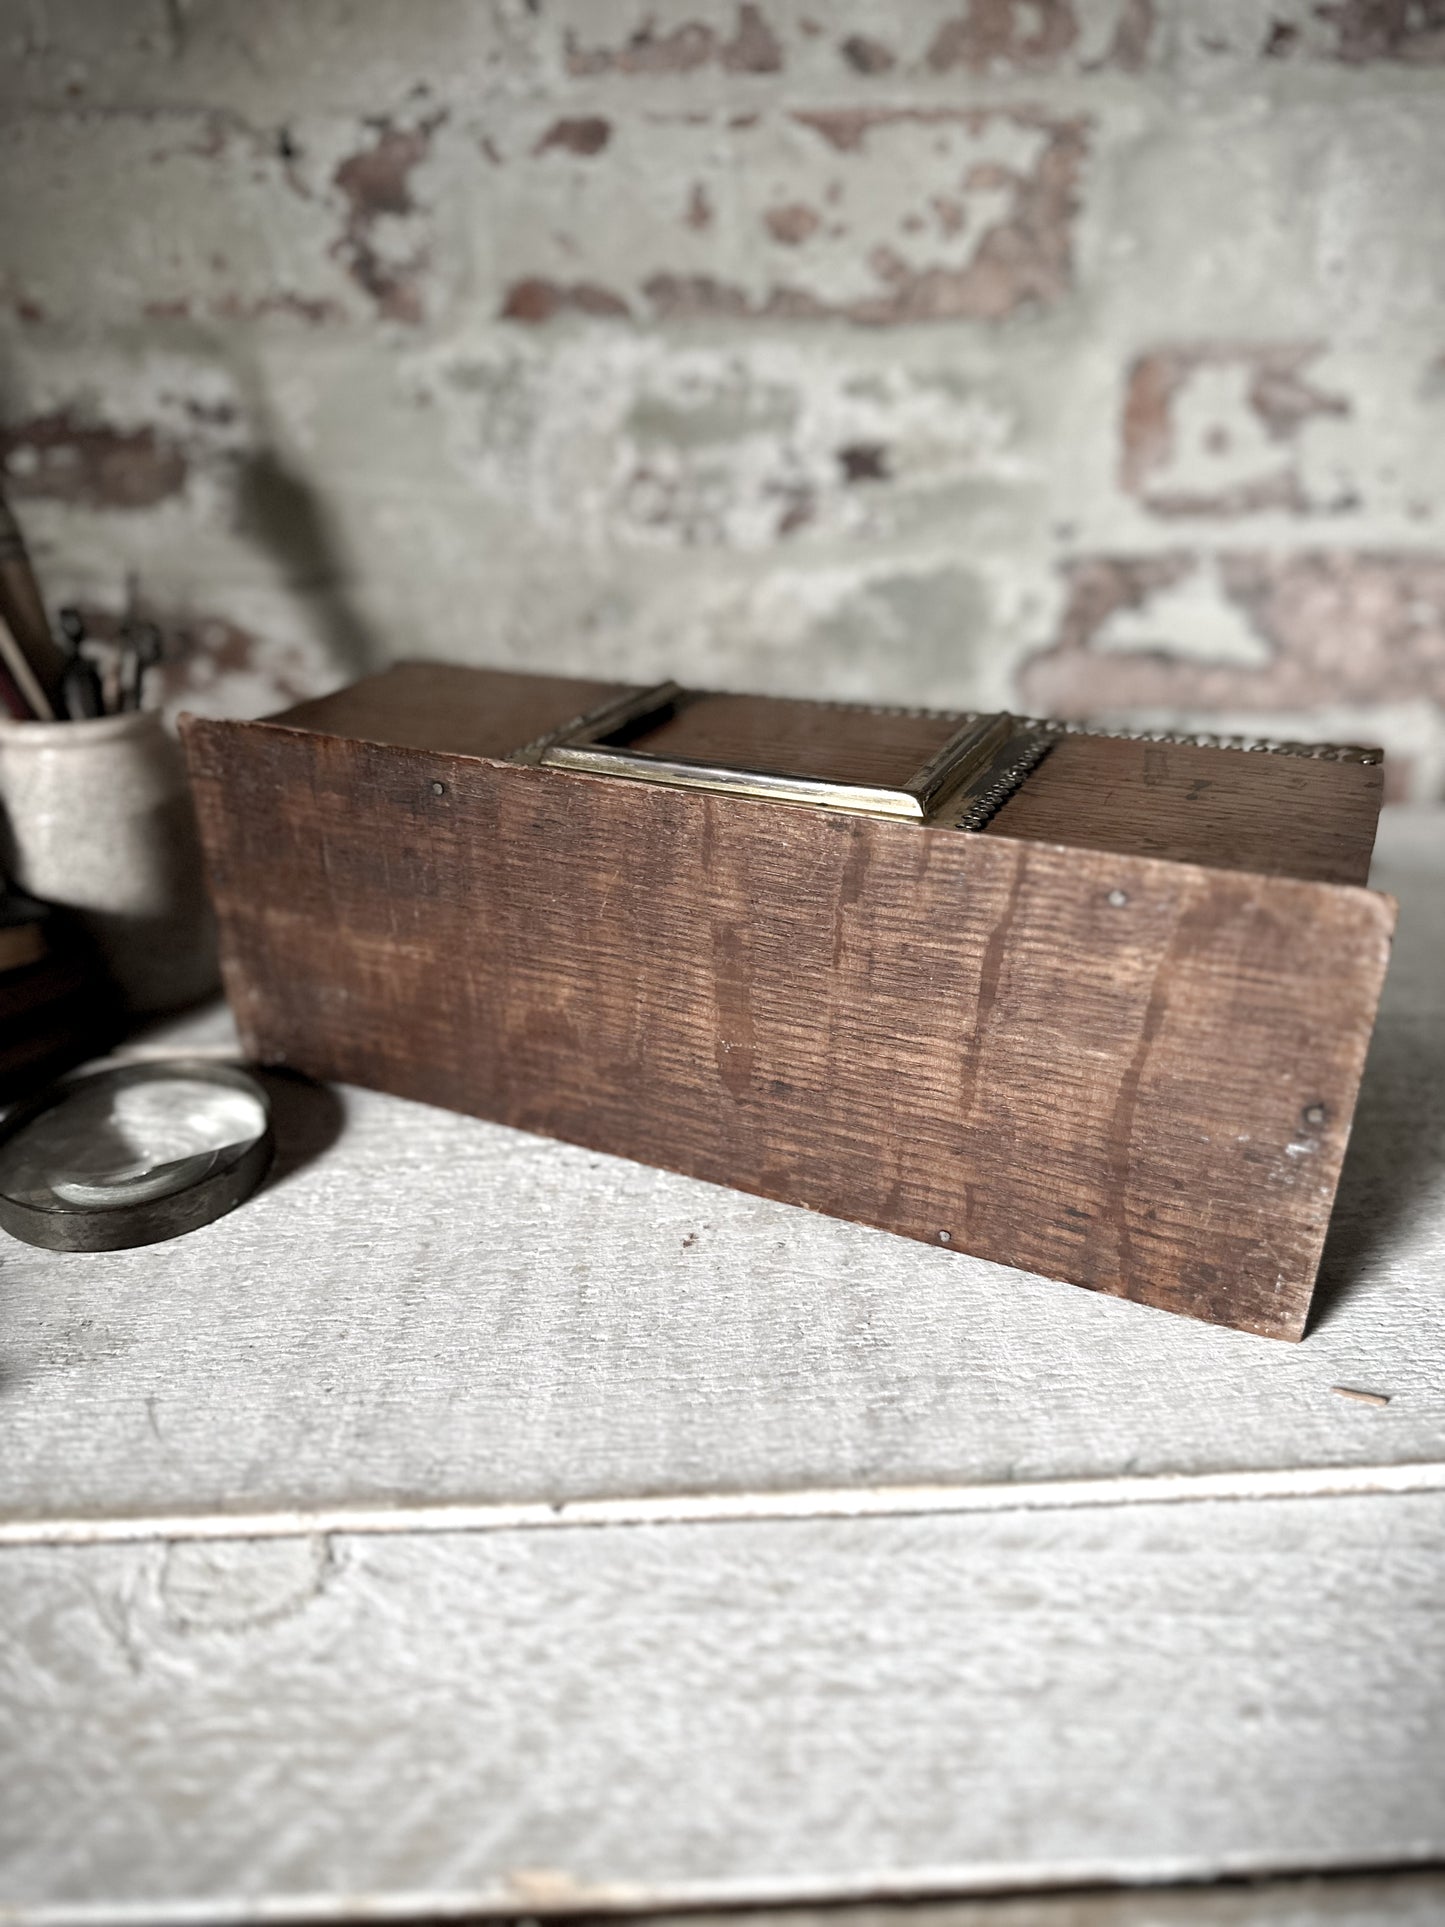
<point>376,185</point>
<point>997,37</point>
<point>627,440</point>
<point>1075,354</point>
<point>751,48</point>
<point>1358,31</point>
<point>132,436</point>
<point>1216,430</point>
<point>91,464</point>
<point>1319,626</point>
<point>876,215</point>
<point>990,36</point>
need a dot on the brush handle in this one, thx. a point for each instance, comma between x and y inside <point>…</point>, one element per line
<point>12,703</point>
<point>24,610</point>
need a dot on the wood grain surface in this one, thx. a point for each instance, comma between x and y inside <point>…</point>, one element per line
<point>527,1722</point>
<point>1233,809</point>
<point>838,742</point>
<point>1131,1074</point>
<point>432,705</point>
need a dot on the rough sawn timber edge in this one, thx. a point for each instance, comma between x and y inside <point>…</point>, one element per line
<point>1132,1074</point>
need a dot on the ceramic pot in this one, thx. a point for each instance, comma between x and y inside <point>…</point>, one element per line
<point>98,819</point>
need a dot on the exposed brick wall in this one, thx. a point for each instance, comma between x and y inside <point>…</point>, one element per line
<point>1080,355</point>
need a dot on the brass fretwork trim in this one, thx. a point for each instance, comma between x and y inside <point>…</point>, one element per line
<point>961,786</point>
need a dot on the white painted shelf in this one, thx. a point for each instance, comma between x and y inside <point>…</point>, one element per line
<point>942,1577</point>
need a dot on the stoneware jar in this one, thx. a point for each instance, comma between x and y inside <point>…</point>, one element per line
<point>98,818</point>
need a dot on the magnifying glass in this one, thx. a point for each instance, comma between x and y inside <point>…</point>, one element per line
<point>132,1156</point>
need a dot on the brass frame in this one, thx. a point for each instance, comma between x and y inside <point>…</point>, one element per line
<point>968,760</point>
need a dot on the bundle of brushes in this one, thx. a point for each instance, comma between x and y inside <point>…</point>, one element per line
<point>110,679</point>
<point>42,680</point>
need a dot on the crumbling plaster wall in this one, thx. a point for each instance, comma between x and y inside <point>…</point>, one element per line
<point>1083,356</point>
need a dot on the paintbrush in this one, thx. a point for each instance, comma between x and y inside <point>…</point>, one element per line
<point>80,685</point>
<point>20,677</point>
<point>23,610</point>
<point>12,703</point>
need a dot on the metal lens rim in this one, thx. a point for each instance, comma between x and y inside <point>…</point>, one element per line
<point>62,1227</point>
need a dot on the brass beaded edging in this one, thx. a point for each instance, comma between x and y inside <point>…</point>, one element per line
<point>986,790</point>
<point>1191,739</point>
<point>994,752</point>
<point>1036,735</point>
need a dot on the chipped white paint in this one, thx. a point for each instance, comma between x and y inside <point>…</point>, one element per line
<point>184,397</point>
<point>336,204</point>
<point>483,1563</point>
<point>1192,619</point>
<point>1222,444</point>
<point>634,439</point>
<point>438,1312</point>
<point>789,210</point>
<point>779,1711</point>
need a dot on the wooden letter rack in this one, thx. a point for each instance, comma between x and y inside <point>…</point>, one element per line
<point>1093,1006</point>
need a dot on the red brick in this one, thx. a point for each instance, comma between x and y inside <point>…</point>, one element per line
<point>1335,626</point>
<point>1035,36</point>
<point>376,181</point>
<point>1278,399</point>
<point>982,239</point>
<point>752,48</point>
<point>63,457</point>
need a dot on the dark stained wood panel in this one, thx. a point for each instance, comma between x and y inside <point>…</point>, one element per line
<point>835,742</point>
<point>1133,1074</point>
<point>433,705</point>
<point>1233,809</point>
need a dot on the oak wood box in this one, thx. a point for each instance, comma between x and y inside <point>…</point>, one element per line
<point>1092,1006</point>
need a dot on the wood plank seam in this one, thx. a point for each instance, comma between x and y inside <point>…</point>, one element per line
<point>546,1894</point>
<point>1042,1495</point>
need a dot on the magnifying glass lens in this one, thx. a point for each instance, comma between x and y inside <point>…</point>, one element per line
<point>89,1165</point>
<point>115,1145</point>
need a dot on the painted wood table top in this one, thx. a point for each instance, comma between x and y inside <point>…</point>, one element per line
<point>475,1522</point>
